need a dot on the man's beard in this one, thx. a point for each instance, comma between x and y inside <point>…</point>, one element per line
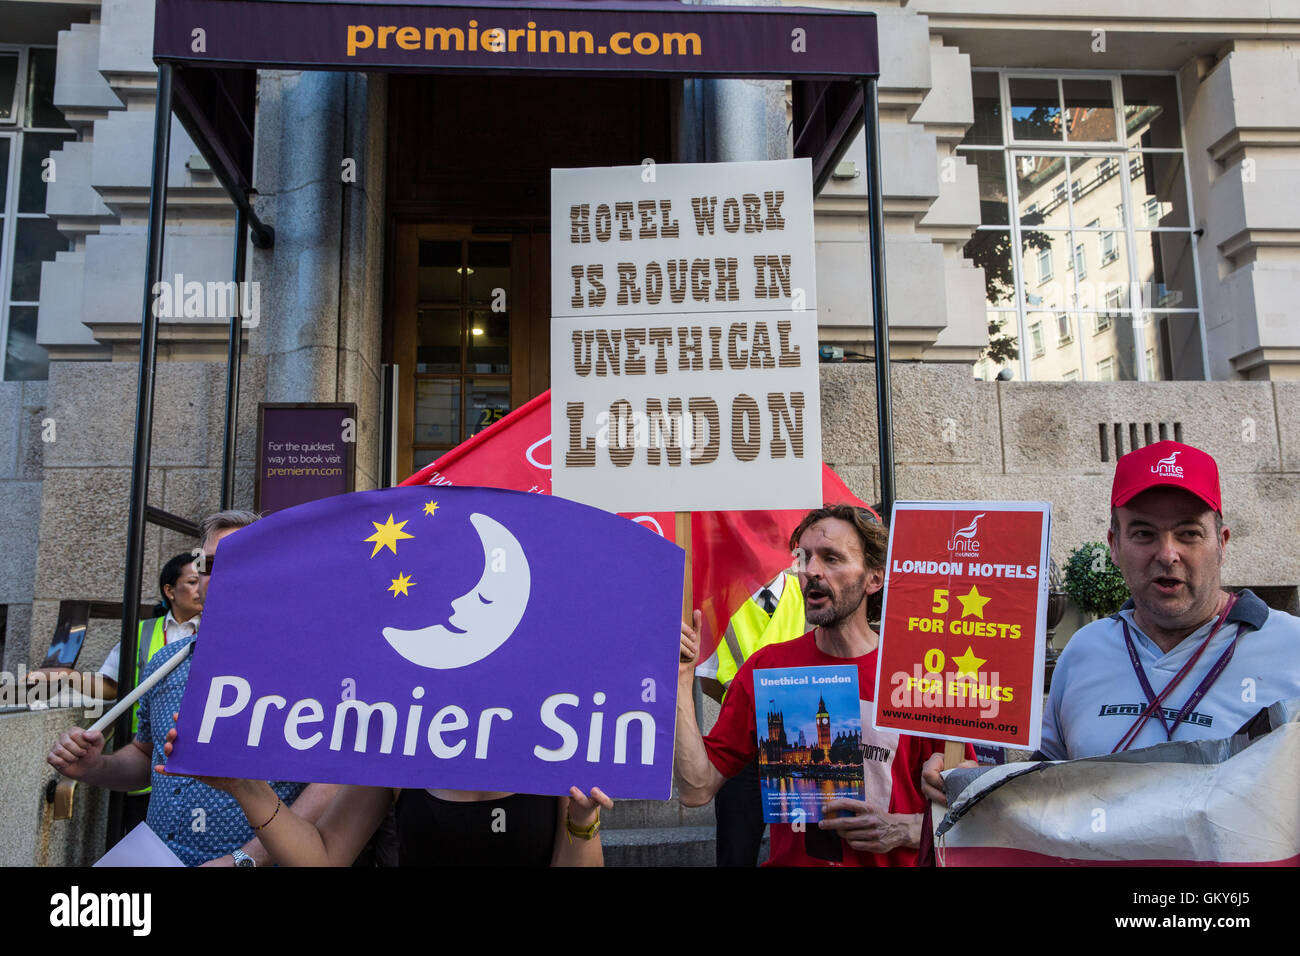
<point>842,605</point>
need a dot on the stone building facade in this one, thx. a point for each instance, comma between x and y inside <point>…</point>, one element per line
<point>331,308</point>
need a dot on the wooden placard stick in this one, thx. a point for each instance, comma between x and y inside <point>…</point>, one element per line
<point>954,752</point>
<point>683,536</point>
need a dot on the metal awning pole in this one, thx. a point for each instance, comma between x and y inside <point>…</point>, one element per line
<point>879,306</point>
<point>233,360</point>
<point>143,426</point>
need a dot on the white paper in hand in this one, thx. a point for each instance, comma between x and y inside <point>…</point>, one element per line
<point>140,847</point>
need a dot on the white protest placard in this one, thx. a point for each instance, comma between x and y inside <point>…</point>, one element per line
<point>684,337</point>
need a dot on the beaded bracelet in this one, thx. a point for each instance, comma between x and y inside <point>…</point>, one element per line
<point>278,805</point>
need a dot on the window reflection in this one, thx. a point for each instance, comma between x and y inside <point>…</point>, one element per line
<point>1093,263</point>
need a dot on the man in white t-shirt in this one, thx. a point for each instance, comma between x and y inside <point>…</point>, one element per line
<point>1183,659</point>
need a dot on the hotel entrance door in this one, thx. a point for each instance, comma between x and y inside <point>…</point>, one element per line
<point>470,331</point>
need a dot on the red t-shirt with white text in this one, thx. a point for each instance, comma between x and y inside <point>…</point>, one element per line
<point>892,783</point>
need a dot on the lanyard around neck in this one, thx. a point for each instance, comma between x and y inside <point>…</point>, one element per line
<point>1155,703</point>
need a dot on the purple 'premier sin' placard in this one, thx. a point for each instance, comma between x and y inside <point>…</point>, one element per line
<point>461,638</point>
<point>305,452</point>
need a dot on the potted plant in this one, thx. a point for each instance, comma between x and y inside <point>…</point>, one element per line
<point>1093,582</point>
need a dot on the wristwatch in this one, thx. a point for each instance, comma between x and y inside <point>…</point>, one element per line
<point>243,859</point>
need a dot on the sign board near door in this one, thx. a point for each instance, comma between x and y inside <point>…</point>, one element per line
<point>305,451</point>
<point>684,368</point>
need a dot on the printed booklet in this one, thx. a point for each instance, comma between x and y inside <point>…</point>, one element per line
<point>809,740</point>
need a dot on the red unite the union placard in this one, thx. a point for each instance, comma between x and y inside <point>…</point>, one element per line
<point>963,631</point>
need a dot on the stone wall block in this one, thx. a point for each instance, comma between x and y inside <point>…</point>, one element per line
<point>18,632</point>
<point>904,49</point>
<point>29,836</point>
<point>83,534</point>
<point>11,404</point>
<point>192,493</point>
<point>42,617</point>
<point>949,100</point>
<point>848,398</point>
<point>1261,513</point>
<point>1051,427</point>
<point>941,415</point>
<point>77,81</point>
<point>303,375</point>
<point>861,480</point>
<point>1287,397</point>
<point>313,107</point>
<point>362,384</point>
<point>20,502</point>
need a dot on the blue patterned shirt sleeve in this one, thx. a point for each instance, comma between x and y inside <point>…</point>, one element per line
<point>197,822</point>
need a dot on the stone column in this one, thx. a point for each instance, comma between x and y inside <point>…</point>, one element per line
<point>1242,124</point>
<point>319,171</point>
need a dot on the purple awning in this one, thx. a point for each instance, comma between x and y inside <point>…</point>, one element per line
<point>220,43</point>
<point>609,37</point>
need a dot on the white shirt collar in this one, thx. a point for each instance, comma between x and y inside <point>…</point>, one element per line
<point>174,630</point>
<point>776,586</point>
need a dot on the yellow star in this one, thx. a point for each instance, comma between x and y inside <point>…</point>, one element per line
<point>973,603</point>
<point>387,535</point>
<point>400,585</point>
<point>968,664</point>
<point>430,508</point>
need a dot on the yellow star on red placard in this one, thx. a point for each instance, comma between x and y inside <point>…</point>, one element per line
<point>968,664</point>
<point>430,508</point>
<point>401,583</point>
<point>973,603</point>
<point>387,535</point>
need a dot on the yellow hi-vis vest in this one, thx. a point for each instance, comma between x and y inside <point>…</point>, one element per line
<point>144,652</point>
<point>750,628</point>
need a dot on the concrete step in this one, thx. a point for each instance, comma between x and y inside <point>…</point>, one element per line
<point>640,814</point>
<point>659,846</point>
<point>664,846</point>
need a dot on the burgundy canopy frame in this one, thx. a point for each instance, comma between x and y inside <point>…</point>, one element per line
<point>208,53</point>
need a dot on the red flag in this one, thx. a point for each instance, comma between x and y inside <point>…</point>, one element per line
<point>515,452</point>
<point>733,553</point>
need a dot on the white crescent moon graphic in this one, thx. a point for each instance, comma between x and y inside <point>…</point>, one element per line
<point>483,618</point>
<point>649,521</point>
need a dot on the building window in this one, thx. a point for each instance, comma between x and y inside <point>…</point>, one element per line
<point>1052,148</point>
<point>31,128</point>
<point>1103,321</point>
<point>1071,375</point>
<point>1109,247</point>
<point>1064,335</point>
<point>1036,337</point>
<point>1106,370</point>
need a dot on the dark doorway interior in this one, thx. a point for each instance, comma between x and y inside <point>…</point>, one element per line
<point>469,161</point>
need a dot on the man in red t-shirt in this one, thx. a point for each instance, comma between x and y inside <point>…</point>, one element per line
<point>841,556</point>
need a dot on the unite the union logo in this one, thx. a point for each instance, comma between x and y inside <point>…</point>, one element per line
<point>963,541</point>
<point>1168,467</point>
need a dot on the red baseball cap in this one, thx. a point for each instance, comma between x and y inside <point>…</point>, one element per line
<point>1166,464</point>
